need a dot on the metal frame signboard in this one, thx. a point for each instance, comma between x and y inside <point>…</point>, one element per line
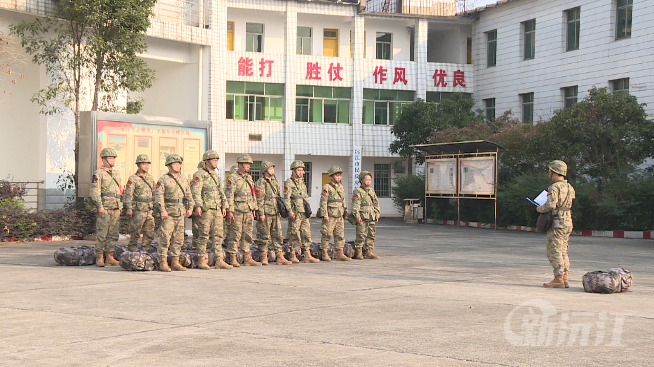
<point>441,176</point>
<point>477,176</point>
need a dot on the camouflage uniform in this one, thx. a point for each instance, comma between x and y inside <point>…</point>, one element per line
<point>365,205</point>
<point>168,196</point>
<point>106,193</point>
<point>139,197</point>
<point>242,203</point>
<point>194,219</point>
<point>559,201</point>
<point>295,192</point>
<point>208,194</point>
<point>270,230</point>
<point>332,203</point>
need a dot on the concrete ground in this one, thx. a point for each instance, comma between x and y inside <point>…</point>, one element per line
<point>439,296</point>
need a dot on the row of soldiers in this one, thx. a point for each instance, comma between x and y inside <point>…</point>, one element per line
<point>173,198</point>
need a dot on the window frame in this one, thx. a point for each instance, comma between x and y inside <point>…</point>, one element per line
<point>340,101</point>
<point>570,96</point>
<point>626,30</point>
<point>624,87</point>
<point>528,39</point>
<point>255,170</point>
<point>259,35</point>
<point>488,108</point>
<point>230,23</point>
<point>383,44</point>
<point>302,39</point>
<point>392,106</point>
<point>524,104</point>
<point>382,179</point>
<point>336,30</point>
<point>251,101</point>
<point>307,176</point>
<point>575,24</point>
<point>491,48</point>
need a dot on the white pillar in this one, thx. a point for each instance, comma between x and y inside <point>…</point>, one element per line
<point>420,51</point>
<point>356,108</point>
<point>290,65</point>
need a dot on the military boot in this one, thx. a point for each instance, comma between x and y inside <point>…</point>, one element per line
<point>175,265</point>
<point>358,254</point>
<point>293,258</point>
<point>308,258</point>
<point>340,256</point>
<point>370,255</point>
<point>325,255</point>
<point>264,258</point>
<point>99,259</point>
<point>202,263</point>
<point>248,261</point>
<point>565,279</point>
<point>281,260</point>
<point>221,264</point>
<point>556,283</point>
<point>110,261</point>
<point>233,261</point>
<point>163,264</point>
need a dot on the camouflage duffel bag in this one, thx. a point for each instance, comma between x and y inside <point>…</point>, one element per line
<point>256,254</point>
<point>139,260</point>
<point>287,251</point>
<point>185,259</point>
<point>615,280</point>
<point>348,249</point>
<point>119,250</point>
<point>317,252</point>
<point>75,255</point>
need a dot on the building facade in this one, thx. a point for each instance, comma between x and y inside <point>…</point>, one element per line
<point>319,81</point>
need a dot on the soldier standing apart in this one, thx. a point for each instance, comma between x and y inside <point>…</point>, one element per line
<point>333,211</point>
<point>295,195</point>
<point>106,195</point>
<point>241,212</point>
<point>210,208</point>
<point>139,203</point>
<point>366,210</point>
<point>173,198</point>
<point>269,221</point>
<point>559,202</point>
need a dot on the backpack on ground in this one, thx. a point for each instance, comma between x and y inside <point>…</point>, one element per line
<point>615,280</point>
<point>139,260</point>
<point>75,256</point>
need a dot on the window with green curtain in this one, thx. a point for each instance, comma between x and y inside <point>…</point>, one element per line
<point>395,111</point>
<point>302,109</point>
<point>230,107</point>
<point>381,113</point>
<point>254,37</point>
<point>304,37</point>
<point>254,101</point>
<point>276,109</point>
<point>240,111</point>
<point>343,112</point>
<point>331,108</point>
<point>315,110</point>
<point>384,46</point>
<point>369,112</point>
<point>324,104</point>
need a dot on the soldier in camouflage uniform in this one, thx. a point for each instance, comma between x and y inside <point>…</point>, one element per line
<point>139,202</point>
<point>242,206</point>
<point>194,218</point>
<point>210,208</point>
<point>269,221</point>
<point>106,195</point>
<point>333,211</point>
<point>173,198</point>
<point>366,211</point>
<point>295,195</point>
<point>559,202</point>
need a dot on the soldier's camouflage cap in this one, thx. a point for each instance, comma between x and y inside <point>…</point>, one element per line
<point>297,164</point>
<point>244,158</point>
<point>363,175</point>
<point>334,170</point>
<point>143,158</point>
<point>210,154</point>
<point>265,165</point>
<point>172,158</point>
<point>558,166</point>
<point>108,152</point>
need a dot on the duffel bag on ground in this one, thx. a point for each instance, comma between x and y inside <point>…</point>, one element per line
<point>256,254</point>
<point>75,255</point>
<point>139,260</point>
<point>615,280</point>
<point>119,250</point>
<point>288,248</point>
<point>317,252</point>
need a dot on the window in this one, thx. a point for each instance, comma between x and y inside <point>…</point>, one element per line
<point>529,28</point>
<point>382,180</point>
<point>255,170</point>
<point>307,176</point>
<point>254,101</point>
<point>254,37</point>
<point>322,104</point>
<point>527,101</point>
<point>569,96</point>
<point>330,42</point>
<point>468,51</point>
<point>230,36</point>
<point>623,21</point>
<point>304,40</point>
<point>490,109</point>
<point>572,29</point>
<point>384,47</point>
<point>620,85</point>
<point>491,48</point>
<point>383,107</point>
<point>438,97</point>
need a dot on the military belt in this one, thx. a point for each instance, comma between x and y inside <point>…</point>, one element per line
<point>174,201</point>
<point>210,190</point>
<point>241,194</point>
<point>146,200</point>
<point>294,197</point>
<point>111,195</point>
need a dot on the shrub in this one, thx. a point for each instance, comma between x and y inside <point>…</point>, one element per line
<point>407,187</point>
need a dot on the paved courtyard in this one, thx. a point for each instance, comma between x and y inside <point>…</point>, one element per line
<point>439,296</point>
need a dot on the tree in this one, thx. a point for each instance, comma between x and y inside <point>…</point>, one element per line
<point>604,136</point>
<point>96,40</point>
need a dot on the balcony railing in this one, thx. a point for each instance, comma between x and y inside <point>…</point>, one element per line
<point>414,7</point>
<point>184,12</point>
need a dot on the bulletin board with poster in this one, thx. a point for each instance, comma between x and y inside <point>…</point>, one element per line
<point>477,175</point>
<point>441,176</point>
<point>131,135</point>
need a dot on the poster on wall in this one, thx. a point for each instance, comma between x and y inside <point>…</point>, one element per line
<point>477,176</point>
<point>441,176</point>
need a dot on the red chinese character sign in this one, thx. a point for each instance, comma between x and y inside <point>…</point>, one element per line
<point>245,66</point>
<point>440,77</point>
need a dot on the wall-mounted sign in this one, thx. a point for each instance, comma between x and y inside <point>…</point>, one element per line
<point>441,176</point>
<point>477,175</point>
